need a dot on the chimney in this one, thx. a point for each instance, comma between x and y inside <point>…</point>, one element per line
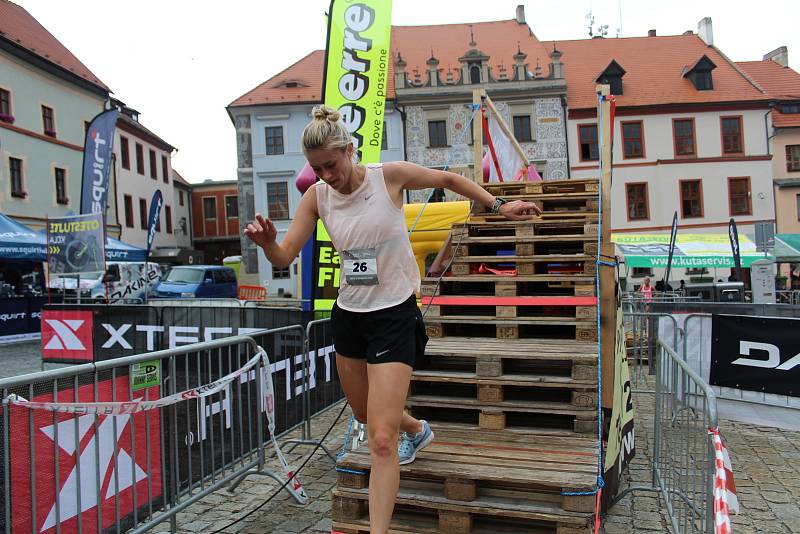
<point>780,56</point>
<point>705,31</point>
<point>556,67</point>
<point>520,14</point>
<point>651,33</point>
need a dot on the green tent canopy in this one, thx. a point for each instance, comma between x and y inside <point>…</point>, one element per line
<point>692,251</point>
<point>787,248</point>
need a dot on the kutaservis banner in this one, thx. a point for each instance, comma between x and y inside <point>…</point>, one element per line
<point>97,150</point>
<point>691,250</point>
<point>356,71</point>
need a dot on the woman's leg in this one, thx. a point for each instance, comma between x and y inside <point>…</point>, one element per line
<point>388,387</point>
<point>353,377</point>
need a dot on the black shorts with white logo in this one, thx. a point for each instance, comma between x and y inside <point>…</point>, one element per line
<point>395,334</point>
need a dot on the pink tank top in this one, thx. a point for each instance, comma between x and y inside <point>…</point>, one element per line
<point>368,226</point>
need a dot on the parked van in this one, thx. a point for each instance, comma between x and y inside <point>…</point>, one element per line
<point>121,282</point>
<point>198,281</point>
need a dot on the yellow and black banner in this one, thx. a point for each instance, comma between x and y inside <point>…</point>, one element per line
<point>356,80</point>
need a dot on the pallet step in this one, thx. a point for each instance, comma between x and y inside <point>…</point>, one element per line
<point>511,247</point>
<point>583,215</point>
<point>552,204</point>
<point>534,228</point>
<point>527,265</point>
<point>524,285</point>
<point>423,509</point>
<point>487,386</point>
<point>512,327</point>
<point>547,186</point>
<point>529,309</point>
<point>537,469</point>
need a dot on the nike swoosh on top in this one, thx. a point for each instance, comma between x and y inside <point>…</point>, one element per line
<point>378,354</point>
<point>368,196</point>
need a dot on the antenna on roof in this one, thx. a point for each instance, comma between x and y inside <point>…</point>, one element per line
<point>619,30</point>
<point>589,17</point>
<point>471,37</point>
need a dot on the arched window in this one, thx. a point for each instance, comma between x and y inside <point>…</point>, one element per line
<point>475,74</point>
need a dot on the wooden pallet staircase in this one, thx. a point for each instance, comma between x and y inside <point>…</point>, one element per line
<point>511,392</point>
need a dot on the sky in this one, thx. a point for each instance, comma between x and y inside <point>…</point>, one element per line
<point>180,63</point>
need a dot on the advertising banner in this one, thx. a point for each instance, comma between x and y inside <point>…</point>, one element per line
<point>733,235</point>
<point>76,245</point>
<point>690,251</point>
<point>155,214</point>
<point>673,234</point>
<point>97,151</point>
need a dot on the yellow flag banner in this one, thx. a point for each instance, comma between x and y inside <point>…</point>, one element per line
<point>356,70</point>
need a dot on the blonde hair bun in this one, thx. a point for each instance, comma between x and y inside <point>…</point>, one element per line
<point>322,113</point>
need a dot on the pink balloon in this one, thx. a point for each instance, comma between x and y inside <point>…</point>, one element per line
<point>487,161</point>
<point>305,178</point>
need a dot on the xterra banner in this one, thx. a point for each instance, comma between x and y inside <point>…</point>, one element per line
<point>356,71</point>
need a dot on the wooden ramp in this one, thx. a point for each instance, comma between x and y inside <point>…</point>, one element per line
<point>511,392</point>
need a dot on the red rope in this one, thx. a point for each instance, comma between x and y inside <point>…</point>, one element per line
<point>485,122</point>
<point>597,511</point>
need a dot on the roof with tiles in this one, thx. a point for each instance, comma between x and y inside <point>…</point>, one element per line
<point>779,81</point>
<point>501,40</point>
<point>654,71</point>
<point>19,28</point>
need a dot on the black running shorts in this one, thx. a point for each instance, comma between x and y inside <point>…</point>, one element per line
<point>395,334</point>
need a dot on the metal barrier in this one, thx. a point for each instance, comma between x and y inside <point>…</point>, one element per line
<point>643,328</point>
<point>79,468</point>
<point>683,451</point>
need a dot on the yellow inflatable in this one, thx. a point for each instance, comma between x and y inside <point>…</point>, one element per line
<point>433,227</point>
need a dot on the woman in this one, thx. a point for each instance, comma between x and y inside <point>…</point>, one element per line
<point>646,290</point>
<point>375,316</point>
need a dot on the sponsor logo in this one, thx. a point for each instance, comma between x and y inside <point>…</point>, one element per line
<point>98,174</point>
<point>773,354</point>
<point>78,451</point>
<point>67,335</point>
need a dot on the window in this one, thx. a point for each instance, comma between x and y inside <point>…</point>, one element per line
<point>474,74</point>
<point>140,159</point>
<point>790,108</point>
<point>792,158</point>
<point>128,211</point>
<point>636,195</point>
<point>180,198</point>
<point>231,207</point>
<point>437,133</point>
<point>691,198</point>
<point>274,140</point>
<point>17,183</point>
<point>164,169</point>
<point>702,80</point>
<point>168,217</point>
<point>61,186</point>
<point>126,153</point>
<point>522,128</point>
<point>143,213</point>
<point>587,133</point>
<point>641,272</point>
<point>153,169</point>
<point>683,133</point>
<point>632,140</point>
<point>5,103</point>
<point>209,207</point>
<point>280,274</point>
<point>739,196</point>
<point>731,135</point>
<point>48,121</point>
<point>384,138</point>
<point>277,200</point>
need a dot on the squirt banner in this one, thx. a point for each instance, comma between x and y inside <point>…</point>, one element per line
<point>356,73</point>
<point>97,150</point>
<point>356,70</point>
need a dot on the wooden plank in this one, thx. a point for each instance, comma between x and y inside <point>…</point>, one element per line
<point>512,328</point>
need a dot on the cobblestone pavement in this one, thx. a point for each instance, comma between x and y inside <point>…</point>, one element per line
<point>766,465</point>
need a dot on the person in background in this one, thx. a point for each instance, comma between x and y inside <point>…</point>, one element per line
<point>646,290</point>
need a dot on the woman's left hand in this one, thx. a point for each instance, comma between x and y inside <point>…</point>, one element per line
<point>519,210</point>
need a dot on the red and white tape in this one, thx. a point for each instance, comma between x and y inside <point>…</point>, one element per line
<point>725,499</point>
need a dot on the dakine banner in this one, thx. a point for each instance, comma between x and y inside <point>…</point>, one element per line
<point>755,353</point>
<point>97,150</point>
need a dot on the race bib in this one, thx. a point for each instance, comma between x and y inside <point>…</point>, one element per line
<point>360,266</point>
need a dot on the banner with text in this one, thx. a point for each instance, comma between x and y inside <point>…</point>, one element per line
<point>690,251</point>
<point>97,151</point>
<point>76,244</point>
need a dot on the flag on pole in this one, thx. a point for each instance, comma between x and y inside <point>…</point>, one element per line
<point>733,234</point>
<point>155,213</point>
<point>97,150</point>
<point>508,159</point>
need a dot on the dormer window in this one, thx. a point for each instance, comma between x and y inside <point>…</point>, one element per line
<point>612,75</point>
<point>700,74</point>
<point>289,84</point>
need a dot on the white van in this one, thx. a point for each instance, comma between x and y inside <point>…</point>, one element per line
<point>122,282</point>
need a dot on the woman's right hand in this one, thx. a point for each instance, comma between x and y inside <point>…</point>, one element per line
<point>261,231</point>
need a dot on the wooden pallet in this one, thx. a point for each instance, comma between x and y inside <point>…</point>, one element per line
<point>512,328</point>
<point>497,358</point>
<point>498,246</point>
<point>521,230</point>
<point>509,286</point>
<point>462,485</point>
<point>528,265</point>
<point>547,186</point>
<point>522,307</point>
<point>552,204</point>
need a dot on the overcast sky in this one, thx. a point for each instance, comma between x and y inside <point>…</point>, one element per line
<point>180,64</point>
